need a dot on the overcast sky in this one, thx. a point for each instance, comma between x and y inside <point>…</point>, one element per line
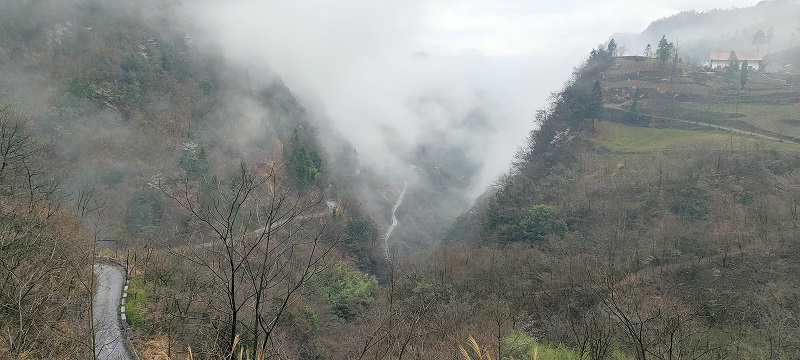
<point>520,27</point>
<point>360,59</point>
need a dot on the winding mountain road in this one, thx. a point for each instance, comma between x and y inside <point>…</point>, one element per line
<point>109,336</point>
<point>109,339</point>
<point>394,220</point>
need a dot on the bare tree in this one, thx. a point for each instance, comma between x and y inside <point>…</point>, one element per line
<point>622,50</point>
<point>654,327</point>
<point>41,262</point>
<point>17,145</point>
<point>592,333</point>
<point>265,249</point>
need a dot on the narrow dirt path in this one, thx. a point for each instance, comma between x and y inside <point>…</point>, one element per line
<point>713,126</point>
<point>394,220</point>
<point>109,339</point>
<point>331,205</point>
<point>650,272</point>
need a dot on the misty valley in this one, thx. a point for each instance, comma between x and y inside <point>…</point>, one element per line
<point>477,180</point>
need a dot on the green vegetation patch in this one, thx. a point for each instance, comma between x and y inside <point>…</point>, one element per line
<point>539,223</point>
<point>778,118</point>
<point>195,163</point>
<point>362,236</point>
<point>306,166</point>
<point>144,212</point>
<point>690,203</point>
<point>624,138</point>
<point>135,307</point>
<point>523,346</point>
<point>349,289</point>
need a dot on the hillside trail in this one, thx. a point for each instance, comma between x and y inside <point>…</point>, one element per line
<point>712,126</point>
<point>394,220</point>
<point>330,204</point>
<point>652,271</point>
<point>784,82</point>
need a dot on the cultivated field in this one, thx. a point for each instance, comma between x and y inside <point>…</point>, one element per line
<point>626,138</point>
<point>660,87</point>
<point>782,119</point>
<point>767,105</point>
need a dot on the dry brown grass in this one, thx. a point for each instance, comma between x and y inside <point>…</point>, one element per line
<point>154,349</point>
<point>660,87</point>
<point>476,353</point>
<point>625,66</point>
<point>238,353</point>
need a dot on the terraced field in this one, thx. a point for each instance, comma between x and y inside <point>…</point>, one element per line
<point>768,106</point>
<point>781,119</point>
<point>624,66</point>
<point>618,137</point>
<point>661,87</point>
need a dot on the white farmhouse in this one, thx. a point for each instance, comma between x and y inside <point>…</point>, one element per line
<point>720,60</point>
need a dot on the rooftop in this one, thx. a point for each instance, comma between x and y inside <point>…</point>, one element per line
<point>742,56</point>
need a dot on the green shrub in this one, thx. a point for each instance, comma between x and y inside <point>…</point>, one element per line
<point>538,224</point>
<point>75,101</point>
<point>138,292</point>
<point>690,204</point>
<point>348,290</point>
<point>111,177</point>
<point>522,346</point>
<point>195,163</point>
<point>145,211</point>
<point>303,319</point>
<point>79,88</point>
<point>174,59</point>
<point>305,167</point>
<point>208,88</point>
<point>362,234</point>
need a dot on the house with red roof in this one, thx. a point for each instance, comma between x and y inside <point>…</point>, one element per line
<point>720,60</point>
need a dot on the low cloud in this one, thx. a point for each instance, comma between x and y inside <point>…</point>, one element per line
<point>467,74</point>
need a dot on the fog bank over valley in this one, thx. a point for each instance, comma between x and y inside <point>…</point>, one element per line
<point>394,77</point>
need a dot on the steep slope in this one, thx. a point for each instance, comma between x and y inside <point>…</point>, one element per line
<point>128,107</point>
<point>649,221</point>
<point>623,231</point>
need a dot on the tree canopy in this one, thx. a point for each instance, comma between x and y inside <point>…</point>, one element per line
<point>733,61</point>
<point>743,78</point>
<point>759,38</point>
<point>665,49</point>
<point>612,47</point>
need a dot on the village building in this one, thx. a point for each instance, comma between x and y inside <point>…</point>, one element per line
<point>721,60</point>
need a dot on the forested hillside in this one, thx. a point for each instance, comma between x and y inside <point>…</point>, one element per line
<point>652,213</point>
<point>123,136</point>
<point>657,238</point>
<point>125,97</point>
